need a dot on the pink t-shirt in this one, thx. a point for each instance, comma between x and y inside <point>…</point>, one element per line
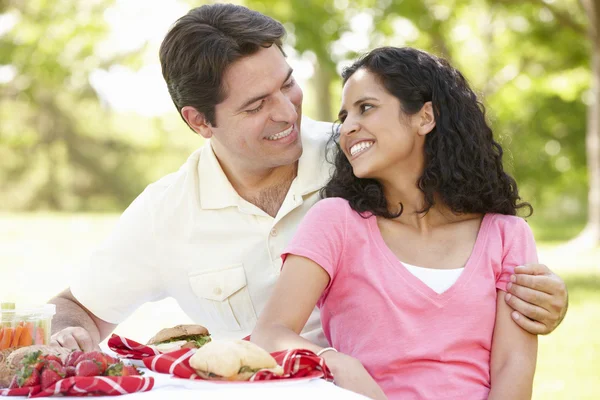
<point>416,343</point>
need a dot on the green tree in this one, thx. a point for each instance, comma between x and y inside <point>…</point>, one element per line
<point>60,148</point>
<point>312,25</point>
<point>579,20</point>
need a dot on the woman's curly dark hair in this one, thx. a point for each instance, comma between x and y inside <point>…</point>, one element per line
<point>463,162</point>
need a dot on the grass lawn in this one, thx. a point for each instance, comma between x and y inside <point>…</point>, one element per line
<point>38,251</point>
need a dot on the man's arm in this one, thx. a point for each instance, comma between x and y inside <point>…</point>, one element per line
<point>538,297</point>
<point>74,326</point>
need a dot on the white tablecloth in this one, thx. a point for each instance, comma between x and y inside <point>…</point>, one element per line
<point>166,388</point>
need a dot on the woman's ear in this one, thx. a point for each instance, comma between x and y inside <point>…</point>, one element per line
<point>427,119</point>
<point>197,121</point>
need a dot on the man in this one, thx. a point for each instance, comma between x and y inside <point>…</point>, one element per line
<point>211,234</point>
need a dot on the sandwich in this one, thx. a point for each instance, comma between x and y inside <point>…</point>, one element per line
<point>232,360</point>
<point>179,337</point>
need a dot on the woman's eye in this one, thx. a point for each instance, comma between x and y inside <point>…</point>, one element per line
<point>257,109</point>
<point>365,107</point>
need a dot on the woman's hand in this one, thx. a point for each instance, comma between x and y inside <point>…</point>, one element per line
<point>350,374</point>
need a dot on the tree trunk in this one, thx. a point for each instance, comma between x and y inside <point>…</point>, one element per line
<point>321,83</point>
<point>591,234</point>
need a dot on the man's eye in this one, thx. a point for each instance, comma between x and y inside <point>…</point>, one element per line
<point>290,84</point>
<point>342,118</point>
<point>257,109</point>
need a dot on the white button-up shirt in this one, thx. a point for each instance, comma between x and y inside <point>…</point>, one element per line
<point>190,236</point>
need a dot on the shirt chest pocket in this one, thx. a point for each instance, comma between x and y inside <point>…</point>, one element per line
<point>224,297</point>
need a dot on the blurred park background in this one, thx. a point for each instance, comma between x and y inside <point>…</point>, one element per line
<point>86,123</point>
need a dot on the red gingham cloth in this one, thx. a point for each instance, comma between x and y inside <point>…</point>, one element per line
<point>128,348</point>
<point>86,386</point>
<point>297,363</point>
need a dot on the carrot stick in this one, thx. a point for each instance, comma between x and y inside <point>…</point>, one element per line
<point>26,338</point>
<point>1,333</point>
<point>39,335</point>
<point>6,339</point>
<point>17,336</point>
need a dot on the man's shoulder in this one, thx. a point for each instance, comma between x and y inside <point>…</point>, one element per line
<point>316,131</point>
<point>179,184</point>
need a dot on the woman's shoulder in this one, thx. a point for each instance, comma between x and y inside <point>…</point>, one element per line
<point>332,204</point>
<point>335,208</point>
<point>507,223</point>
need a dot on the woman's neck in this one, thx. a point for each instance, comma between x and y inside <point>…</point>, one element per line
<point>405,191</point>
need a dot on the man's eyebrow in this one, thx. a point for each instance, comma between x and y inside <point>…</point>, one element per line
<point>262,96</point>
<point>357,102</point>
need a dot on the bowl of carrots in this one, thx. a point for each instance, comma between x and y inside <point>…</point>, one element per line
<point>25,325</point>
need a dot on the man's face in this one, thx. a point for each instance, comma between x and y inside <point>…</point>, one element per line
<point>258,124</point>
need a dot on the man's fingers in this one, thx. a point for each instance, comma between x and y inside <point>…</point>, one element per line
<point>532,269</point>
<point>531,296</point>
<point>530,326</point>
<point>84,341</point>
<point>74,339</point>
<point>68,341</point>
<point>529,310</point>
<point>541,283</point>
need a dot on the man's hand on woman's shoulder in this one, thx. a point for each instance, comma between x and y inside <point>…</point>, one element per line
<point>539,298</point>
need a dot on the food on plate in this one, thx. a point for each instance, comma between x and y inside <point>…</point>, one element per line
<point>232,360</point>
<point>180,336</point>
<point>45,365</point>
<point>13,359</point>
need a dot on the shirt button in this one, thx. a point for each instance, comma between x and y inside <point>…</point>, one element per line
<point>218,291</point>
<point>274,232</point>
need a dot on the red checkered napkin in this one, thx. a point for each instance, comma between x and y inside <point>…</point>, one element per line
<point>86,386</point>
<point>297,363</point>
<point>128,348</point>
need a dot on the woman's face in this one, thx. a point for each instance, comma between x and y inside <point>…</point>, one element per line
<point>379,140</point>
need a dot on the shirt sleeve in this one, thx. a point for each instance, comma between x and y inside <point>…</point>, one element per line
<point>121,274</point>
<point>519,249</point>
<point>321,236</point>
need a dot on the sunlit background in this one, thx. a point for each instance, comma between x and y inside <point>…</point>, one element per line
<point>86,123</point>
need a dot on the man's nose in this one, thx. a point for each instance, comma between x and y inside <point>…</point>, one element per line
<point>284,110</point>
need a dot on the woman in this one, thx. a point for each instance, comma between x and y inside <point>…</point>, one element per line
<point>410,253</point>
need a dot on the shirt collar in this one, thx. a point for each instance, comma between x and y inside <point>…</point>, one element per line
<point>216,191</point>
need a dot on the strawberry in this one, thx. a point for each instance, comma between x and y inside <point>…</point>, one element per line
<point>111,360</point>
<point>73,358</point>
<point>120,369</point>
<point>97,357</point>
<point>27,377</point>
<point>70,371</point>
<point>130,370</point>
<point>56,367</point>
<point>87,368</point>
<point>52,357</point>
<point>115,369</point>
<point>49,377</point>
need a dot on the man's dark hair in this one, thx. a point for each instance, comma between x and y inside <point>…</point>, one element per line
<point>202,44</point>
<point>463,162</point>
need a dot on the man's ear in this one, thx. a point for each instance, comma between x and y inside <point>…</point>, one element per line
<point>197,121</point>
<point>426,119</point>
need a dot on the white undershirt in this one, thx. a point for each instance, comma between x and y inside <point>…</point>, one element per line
<point>439,280</point>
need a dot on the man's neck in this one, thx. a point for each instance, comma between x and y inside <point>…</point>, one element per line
<point>265,188</point>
